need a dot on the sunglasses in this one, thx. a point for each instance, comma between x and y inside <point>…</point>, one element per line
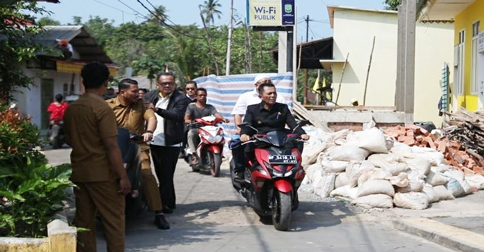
<point>190,88</point>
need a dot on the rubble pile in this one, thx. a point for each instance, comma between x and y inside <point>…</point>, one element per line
<point>374,170</point>
<point>461,156</point>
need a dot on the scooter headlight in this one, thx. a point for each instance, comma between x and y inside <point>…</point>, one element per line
<point>214,139</point>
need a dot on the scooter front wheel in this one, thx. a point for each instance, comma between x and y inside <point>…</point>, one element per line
<point>281,210</point>
<point>215,163</point>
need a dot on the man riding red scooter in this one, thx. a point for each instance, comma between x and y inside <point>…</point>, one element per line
<point>274,170</point>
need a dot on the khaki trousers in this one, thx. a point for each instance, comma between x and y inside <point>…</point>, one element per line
<point>103,197</point>
<point>148,181</point>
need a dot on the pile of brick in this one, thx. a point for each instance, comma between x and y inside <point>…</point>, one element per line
<point>455,154</point>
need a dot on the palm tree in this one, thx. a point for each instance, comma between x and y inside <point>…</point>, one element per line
<point>158,15</point>
<point>209,9</point>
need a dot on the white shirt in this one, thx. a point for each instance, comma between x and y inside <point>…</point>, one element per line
<point>250,98</point>
<point>159,134</point>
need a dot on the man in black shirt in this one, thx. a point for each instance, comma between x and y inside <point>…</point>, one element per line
<point>268,116</point>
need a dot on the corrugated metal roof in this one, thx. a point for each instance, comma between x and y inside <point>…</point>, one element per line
<point>79,38</point>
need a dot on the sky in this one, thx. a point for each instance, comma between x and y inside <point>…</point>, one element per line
<point>186,12</point>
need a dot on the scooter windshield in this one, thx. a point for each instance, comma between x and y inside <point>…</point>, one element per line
<point>276,138</point>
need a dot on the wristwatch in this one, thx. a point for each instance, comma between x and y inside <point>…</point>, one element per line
<point>149,131</point>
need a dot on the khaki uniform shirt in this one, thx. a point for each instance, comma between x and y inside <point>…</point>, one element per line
<point>131,117</point>
<point>87,122</point>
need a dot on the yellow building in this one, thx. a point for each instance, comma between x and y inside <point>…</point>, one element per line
<point>468,66</point>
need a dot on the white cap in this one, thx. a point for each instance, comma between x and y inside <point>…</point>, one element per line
<point>260,77</point>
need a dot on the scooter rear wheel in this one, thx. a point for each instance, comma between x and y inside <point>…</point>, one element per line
<point>281,210</point>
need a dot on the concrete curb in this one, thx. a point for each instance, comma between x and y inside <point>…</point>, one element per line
<point>442,234</point>
<point>61,238</point>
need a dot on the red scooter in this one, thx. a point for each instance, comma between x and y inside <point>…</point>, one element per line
<point>272,179</point>
<point>209,150</point>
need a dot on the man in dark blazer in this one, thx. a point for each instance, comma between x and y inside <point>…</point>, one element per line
<point>169,106</point>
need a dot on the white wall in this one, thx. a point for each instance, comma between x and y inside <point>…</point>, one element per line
<point>353,33</point>
<point>29,100</point>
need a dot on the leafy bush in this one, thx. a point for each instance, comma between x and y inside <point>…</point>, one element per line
<point>31,191</point>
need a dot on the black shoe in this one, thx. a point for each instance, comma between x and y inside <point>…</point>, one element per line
<point>239,177</point>
<point>167,210</point>
<point>161,222</point>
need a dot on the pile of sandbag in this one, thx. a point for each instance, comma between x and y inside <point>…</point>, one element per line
<point>455,154</point>
<point>373,170</point>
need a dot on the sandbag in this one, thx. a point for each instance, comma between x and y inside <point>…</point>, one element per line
<point>442,193</point>
<point>417,162</point>
<point>466,186</point>
<point>440,168</point>
<point>400,148</point>
<point>392,163</point>
<point>375,187</point>
<point>372,140</point>
<point>401,180</point>
<point>314,171</point>
<point>341,180</point>
<point>414,185</point>
<point>345,191</point>
<point>455,188</point>
<point>348,153</point>
<point>375,174</point>
<point>429,191</point>
<point>355,169</point>
<point>390,142</point>
<point>436,179</point>
<point>475,181</point>
<point>310,155</point>
<point>435,157</point>
<point>334,166</point>
<point>455,174</point>
<point>411,200</point>
<point>374,201</point>
<point>324,185</point>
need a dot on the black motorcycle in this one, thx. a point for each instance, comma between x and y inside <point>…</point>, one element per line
<point>130,151</point>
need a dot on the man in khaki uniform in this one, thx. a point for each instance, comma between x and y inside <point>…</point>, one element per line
<point>97,165</point>
<point>131,114</point>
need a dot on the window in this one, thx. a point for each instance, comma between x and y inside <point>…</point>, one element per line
<point>474,58</point>
<point>459,64</point>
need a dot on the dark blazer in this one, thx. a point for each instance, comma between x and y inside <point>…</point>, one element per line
<point>173,115</point>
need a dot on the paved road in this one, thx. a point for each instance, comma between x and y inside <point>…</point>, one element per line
<point>210,216</point>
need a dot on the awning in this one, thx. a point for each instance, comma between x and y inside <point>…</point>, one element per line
<point>76,67</point>
<point>312,53</point>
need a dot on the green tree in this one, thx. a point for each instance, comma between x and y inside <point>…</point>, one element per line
<point>101,29</point>
<point>77,20</point>
<point>48,21</point>
<point>210,8</point>
<point>158,16</point>
<point>391,4</point>
<point>17,30</point>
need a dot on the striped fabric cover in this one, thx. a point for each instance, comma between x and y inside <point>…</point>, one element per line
<point>223,92</point>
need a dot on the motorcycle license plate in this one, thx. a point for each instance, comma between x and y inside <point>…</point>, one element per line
<point>282,159</point>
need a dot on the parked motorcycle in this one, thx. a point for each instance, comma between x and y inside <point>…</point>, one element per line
<point>130,151</point>
<point>56,134</point>
<point>209,150</point>
<point>272,179</point>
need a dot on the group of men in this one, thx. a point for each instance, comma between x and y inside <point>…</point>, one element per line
<point>159,116</point>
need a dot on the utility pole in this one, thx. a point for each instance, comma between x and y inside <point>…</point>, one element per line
<point>305,99</point>
<point>229,39</point>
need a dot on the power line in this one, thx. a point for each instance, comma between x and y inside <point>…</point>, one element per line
<point>114,7</point>
<point>132,9</point>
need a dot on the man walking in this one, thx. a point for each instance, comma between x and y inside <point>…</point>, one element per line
<point>97,165</point>
<point>170,107</point>
<point>131,115</point>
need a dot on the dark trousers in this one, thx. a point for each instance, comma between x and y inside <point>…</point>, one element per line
<point>238,156</point>
<point>164,160</point>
